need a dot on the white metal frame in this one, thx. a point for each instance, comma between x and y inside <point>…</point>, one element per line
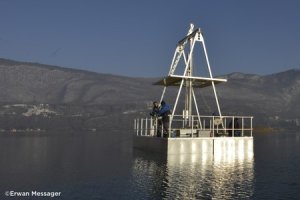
<point>194,36</point>
<point>185,122</point>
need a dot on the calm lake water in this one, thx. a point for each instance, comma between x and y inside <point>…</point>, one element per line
<point>104,166</point>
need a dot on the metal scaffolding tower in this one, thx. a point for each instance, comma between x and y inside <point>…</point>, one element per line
<point>185,51</point>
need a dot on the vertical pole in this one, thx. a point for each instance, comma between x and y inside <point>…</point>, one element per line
<point>162,130</point>
<point>196,106</point>
<point>186,110</point>
<point>188,62</point>
<point>225,128</point>
<point>192,126</point>
<point>213,125</point>
<point>169,132</point>
<point>232,126</point>
<point>251,125</point>
<point>217,125</point>
<point>151,127</point>
<point>141,126</point>
<point>156,127</point>
<point>134,125</point>
<point>242,126</point>
<point>137,125</point>
<point>146,127</point>
<point>190,85</point>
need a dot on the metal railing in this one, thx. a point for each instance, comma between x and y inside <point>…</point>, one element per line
<point>193,126</point>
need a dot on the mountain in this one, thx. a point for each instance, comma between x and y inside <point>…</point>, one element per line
<point>273,99</point>
<point>36,96</point>
<point>36,83</point>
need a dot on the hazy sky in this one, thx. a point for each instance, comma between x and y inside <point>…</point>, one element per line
<point>138,37</point>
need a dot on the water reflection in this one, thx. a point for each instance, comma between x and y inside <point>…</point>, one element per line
<point>78,165</point>
<point>195,176</point>
<point>148,172</point>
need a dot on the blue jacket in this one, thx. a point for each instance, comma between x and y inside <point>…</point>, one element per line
<point>164,110</point>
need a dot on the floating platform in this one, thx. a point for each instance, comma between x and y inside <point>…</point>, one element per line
<point>207,145</point>
<point>169,131</point>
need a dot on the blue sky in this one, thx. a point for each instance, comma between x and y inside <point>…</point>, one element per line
<point>138,37</point>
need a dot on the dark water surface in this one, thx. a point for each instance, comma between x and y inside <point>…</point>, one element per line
<point>104,166</point>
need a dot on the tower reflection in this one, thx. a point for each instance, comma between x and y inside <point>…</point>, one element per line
<point>225,175</point>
